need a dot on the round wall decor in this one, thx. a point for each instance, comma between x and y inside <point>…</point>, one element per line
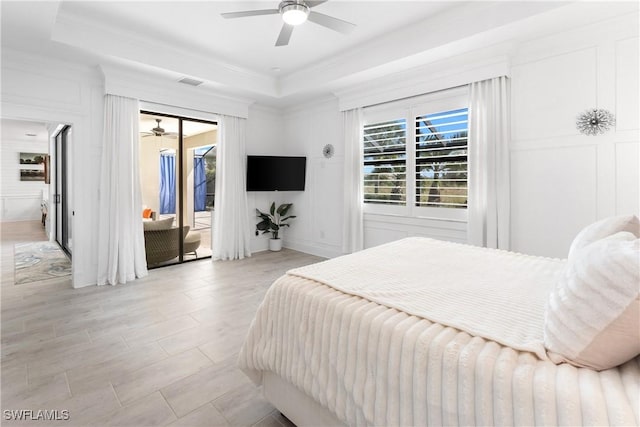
<point>595,121</point>
<point>327,151</point>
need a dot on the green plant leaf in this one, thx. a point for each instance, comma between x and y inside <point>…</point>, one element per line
<point>273,208</point>
<point>263,225</point>
<point>282,210</point>
<point>289,217</point>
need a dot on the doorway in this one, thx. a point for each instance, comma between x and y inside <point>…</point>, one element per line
<point>177,175</point>
<point>62,195</point>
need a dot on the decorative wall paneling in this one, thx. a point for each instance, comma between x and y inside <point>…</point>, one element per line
<point>563,180</point>
<point>47,90</point>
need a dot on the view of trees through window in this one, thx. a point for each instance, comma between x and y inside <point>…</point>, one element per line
<point>385,162</point>
<point>440,155</point>
<point>441,159</point>
<point>206,155</point>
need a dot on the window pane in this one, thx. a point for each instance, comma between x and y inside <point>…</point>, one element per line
<point>385,161</point>
<point>441,159</point>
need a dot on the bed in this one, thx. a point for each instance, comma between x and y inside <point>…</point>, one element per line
<point>425,332</point>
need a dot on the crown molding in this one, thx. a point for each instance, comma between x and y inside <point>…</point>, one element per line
<point>166,91</point>
<point>12,58</point>
<point>440,75</point>
<point>469,27</point>
<point>91,35</point>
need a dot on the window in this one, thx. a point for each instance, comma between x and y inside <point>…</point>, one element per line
<point>385,162</point>
<point>426,178</point>
<point>441,159</point>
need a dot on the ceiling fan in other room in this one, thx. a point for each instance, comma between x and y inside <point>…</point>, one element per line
<point>296,12</point>
<point>158,131</point>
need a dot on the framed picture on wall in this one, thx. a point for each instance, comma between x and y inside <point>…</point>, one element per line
<point>47,166</point>
<point>31,174</point>
<point>32,158</point>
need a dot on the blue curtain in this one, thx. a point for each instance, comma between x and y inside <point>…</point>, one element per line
<point>167,183</point>
<point>199,184</point>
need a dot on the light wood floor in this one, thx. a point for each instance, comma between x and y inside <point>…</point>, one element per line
<point>158,351</point>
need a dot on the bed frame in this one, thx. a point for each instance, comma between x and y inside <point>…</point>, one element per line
<point>299,408</point>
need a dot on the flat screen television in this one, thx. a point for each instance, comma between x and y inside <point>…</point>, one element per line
<point>276,173</point>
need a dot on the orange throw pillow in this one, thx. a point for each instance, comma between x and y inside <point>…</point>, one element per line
<point>146,213</point>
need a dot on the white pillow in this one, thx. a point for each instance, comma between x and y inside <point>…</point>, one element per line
<point>604,228</point>
<point>593,316</point>
<point>161,224</point>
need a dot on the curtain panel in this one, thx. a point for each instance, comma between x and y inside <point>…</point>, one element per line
<point>353,224</point>
<point>199,184</point>
<point>168,174</point>
<point>489,170</point>
<point>231,228</point>
<point>121,253</point>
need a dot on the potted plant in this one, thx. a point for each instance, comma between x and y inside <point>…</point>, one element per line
<point>273,222</point>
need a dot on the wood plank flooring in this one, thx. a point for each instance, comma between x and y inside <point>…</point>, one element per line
<point>158,351</point>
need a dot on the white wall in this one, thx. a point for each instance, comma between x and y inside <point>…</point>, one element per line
<point>46,90</point>
<point>265,136</point>
<point>19,200</point>
<point>318,226</point>
<point>563,180</point>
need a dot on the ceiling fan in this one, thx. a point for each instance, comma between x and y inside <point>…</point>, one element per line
<point>296,12</point>
<point>158,131</point>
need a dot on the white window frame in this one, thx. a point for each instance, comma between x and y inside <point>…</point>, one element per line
<point>380,115</point>
<point>409,109</point>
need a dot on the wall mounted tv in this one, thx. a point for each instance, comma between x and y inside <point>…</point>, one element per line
<point>276,173</point>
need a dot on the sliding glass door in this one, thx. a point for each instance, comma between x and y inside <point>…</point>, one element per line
<point>177,170</point>
<point>62,195</point>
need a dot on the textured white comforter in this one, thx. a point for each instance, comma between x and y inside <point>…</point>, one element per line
<point>370,364</point>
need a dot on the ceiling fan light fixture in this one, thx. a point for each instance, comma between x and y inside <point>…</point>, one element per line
<point>294,13</point>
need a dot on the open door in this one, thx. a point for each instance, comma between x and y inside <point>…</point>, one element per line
<point>62,194</point>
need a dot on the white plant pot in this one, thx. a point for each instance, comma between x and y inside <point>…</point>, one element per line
<point>275,245</point>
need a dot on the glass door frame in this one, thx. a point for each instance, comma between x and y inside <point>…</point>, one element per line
<point>61,193</point>
<point>181,178</point>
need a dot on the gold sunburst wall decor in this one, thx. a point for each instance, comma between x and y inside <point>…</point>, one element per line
<point>595,121</point>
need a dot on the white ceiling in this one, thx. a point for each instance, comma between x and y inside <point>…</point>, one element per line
<point>174,39</point>
<point>249,42</point>
<point>17,130</point>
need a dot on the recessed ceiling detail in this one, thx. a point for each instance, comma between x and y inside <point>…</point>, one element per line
<point>236,57</point>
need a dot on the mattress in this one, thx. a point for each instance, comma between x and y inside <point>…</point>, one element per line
<point>370,363</point>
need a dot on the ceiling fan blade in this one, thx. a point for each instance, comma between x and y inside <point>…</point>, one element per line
<point>332,23</point>
<point>314,3</point>
<point>230,15</point>
<point>285,35</point>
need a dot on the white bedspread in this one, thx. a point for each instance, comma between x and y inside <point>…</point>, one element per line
<point>369,364</point>
<point>488,293</point>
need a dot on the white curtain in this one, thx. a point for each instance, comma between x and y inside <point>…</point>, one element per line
<point>121,254</point>
<point>489,188</point>
<point>231,228</point>
<point>353,226</point>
